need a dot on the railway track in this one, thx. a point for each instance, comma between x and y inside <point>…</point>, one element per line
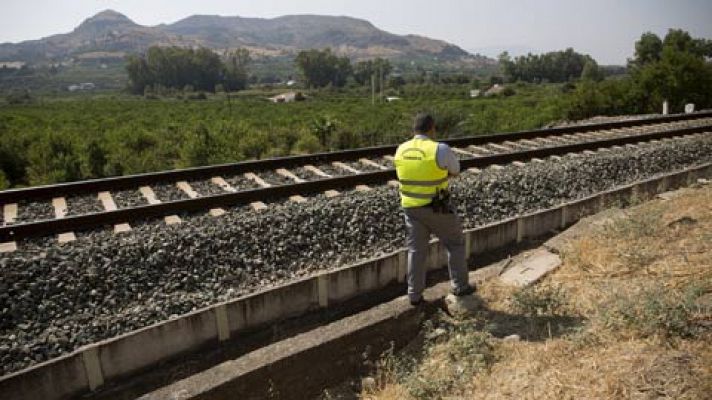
<point>65,208</point>
<point>59,298</point>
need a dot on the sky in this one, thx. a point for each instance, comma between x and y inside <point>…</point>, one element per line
<point>605,29</point>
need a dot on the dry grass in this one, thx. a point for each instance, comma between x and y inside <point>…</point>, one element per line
<point>643,288</point>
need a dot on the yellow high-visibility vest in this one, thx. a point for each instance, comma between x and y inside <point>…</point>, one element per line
<point>418,172</point>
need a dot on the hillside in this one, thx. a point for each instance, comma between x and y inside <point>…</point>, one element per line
<point>111,34</point>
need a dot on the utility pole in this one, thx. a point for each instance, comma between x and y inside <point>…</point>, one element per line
<point>380,71</point>
<point>373,89</point>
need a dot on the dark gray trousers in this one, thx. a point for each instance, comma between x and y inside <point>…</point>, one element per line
<point>421,222</point>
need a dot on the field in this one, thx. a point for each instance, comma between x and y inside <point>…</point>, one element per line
<point>627,315</point>
<point>57,139</point>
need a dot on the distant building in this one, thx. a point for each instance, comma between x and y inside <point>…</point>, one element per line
<point>12,64</point>
<point>494,90</point>
<point>392,99</point>
<point>291,82</point>
<point>475,93</point>
<point>81,86</point>
<point>287,97</point>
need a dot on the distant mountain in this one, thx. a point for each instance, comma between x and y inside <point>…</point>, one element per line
<point>111,34</point>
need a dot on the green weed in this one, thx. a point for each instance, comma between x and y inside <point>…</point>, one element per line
<point>539,300</point>
<point>656,309</point>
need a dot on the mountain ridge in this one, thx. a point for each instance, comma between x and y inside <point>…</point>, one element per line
<point>110,32</point>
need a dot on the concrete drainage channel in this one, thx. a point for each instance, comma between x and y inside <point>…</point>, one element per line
<point>326,352</point>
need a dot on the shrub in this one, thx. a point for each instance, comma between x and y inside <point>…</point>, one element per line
<point>19,97</point>
<point>656,309</point>
<point>459,354</point>
<point>539,300</point>
<point>307,143</point>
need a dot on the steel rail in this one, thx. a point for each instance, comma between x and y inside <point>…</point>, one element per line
<point>206,172</point>
<point>88,221</point>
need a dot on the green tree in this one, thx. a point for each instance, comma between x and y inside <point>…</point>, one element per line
<point>165,69</point>
<point>506,66</point>
<point>557,66</point>
<point>647,50</point>
<point>680,77</point>
<point>680,40</point>
<point>677,73</point>
<point>236,72</point>
<point>591,71</point>
<point>364,70</point>
<point>321,68</point>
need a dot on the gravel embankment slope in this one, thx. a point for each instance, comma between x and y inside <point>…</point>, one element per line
<point>55,299</point>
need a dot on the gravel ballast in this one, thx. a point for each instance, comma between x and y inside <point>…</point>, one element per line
<point>128,198</point>
<point>86,204</point>
<point>55,298</point>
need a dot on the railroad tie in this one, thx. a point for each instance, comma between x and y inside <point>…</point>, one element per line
<point>190,192</point>
<point>474,170</point>
<point>109,205</point>
<point>9,213</point>
<point>500,147</point>
<point>366,161</point>
<point>288,174</point>
<point>518,164</point>
<point>253,177</point>
<point>359,188</point>
<point>316,171</point>
<point>590,135</point>
<point>60,211</point>
<point>528,143</point>
<point>151,198</point>
<point>545,141</point>
<point>481,149</point>
<point>8,247</point>
<point>257,205</point>
<point>463,152</point>
<point>345,167</point>
<point>187,189</point>
<point>9,217</point>
<point>218,180</point>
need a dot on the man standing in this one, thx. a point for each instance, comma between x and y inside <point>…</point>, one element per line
<point>423,167</point>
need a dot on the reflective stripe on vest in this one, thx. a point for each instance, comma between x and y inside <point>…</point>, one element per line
<point>418,172</point>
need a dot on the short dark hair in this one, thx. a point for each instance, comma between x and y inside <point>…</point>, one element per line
<point>423,123</point>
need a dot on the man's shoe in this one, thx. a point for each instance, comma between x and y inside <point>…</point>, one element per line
<point>464,291</point>
<point>416,303</point>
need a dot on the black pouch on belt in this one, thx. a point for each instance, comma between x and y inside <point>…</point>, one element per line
<point>441,202</point>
